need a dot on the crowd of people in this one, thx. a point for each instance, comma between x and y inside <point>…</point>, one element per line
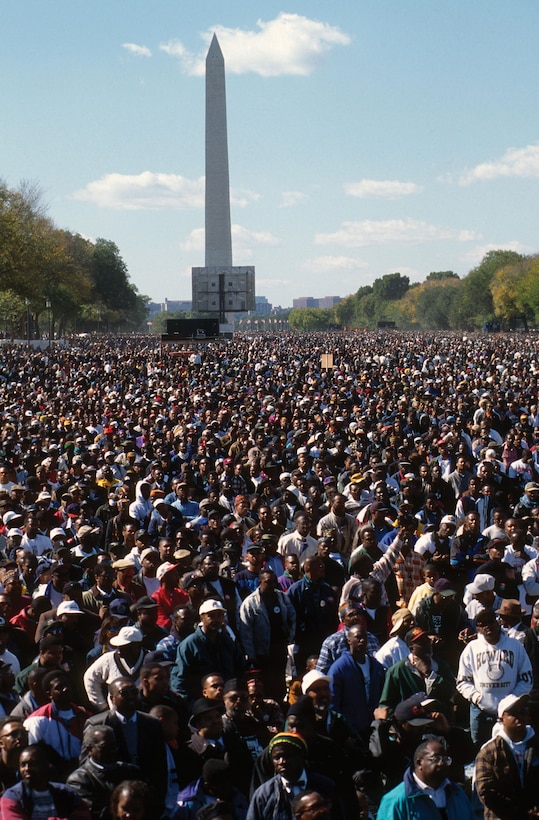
<point>235,583</point>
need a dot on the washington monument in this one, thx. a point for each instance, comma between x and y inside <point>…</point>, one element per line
<point>218,230</point>
<point>219,287</point>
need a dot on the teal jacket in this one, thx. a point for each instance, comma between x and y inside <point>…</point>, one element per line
<point>408,802</point>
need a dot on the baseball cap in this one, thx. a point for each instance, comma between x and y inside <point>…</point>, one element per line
<point>449,519</point>
<point>86,530</point>
<point>69,608</point>
<point>397,618</point>
<point>126,635</point>
<point>414,635</point>
<point>119,607</point>
<point>443,587</point>
<point>165,568</point>
<point>414,710</point>
<point>11,516</point>
<point>211,605</point>
<point>190,578</point>
<point>481,583</point>
<point>148,551</point>
<point>311,677</point>
<point>143,603</point>
<point>123,563</point>
<point>512,704</point>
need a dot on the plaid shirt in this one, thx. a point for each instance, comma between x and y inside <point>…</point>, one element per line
<point>498,782</point>
<point>334,646</point>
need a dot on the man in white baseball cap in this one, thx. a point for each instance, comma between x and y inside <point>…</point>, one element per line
<point>506,765</point>
<point>124,660</point>
<point>209,649</point>
<point>480,594</point>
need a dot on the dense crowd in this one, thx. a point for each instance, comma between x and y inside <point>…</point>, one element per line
<point>244,580</point>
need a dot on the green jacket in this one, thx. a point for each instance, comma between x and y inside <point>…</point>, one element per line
<point>402,681</point>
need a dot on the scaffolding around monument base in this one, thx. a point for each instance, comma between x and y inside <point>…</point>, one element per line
<point>224,289</point>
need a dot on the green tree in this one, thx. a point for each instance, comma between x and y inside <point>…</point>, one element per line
<point>438,275</point>
<point>435,303</point>
<point>310,318</point>
<point>391,286</point>
<point>530,288</point>
<point>475,303</point>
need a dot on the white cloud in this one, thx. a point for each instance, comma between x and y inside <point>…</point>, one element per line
<point>242,197</point>
<point>289,44</point>
<point>381,189</point>
<point>476,254</point>
<point>329,264</point>
<point>291,198</point>
<point>516,162</point>
<point>398,231</point>
<point>195,241</point>
<point>243,240</point>
<point>145,191</point>
<point>273,283</point>
<point>137,51</point>
<point>152,192</point>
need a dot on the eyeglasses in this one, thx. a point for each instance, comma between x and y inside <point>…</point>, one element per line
<point>236,696</point>
<point>439,759</point>
<point>15,733</point>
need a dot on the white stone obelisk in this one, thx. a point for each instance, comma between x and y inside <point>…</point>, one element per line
<point>218,229</point>
<point>219,287</point>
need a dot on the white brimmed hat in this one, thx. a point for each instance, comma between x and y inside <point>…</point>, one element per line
<point>311,677</point>
<point>481,583</point>
<point>69,608</point>
<point>211,605</point>
<point>127,635</point>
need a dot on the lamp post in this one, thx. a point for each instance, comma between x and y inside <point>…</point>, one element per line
<point>27,303</point>
<point>48,304</point>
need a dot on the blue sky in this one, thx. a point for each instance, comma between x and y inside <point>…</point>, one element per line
<point>364,137</point>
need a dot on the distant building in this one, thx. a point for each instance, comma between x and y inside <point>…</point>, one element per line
<point>169,306</point>
<point>304,302</point>
<point>311,302</point>
<point>328,301</point>
<point>263,307</point>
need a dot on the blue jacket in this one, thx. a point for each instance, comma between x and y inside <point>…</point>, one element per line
<point>271,802</point>
<point>348,690</point>
<point>192,798</point>
<point>408,802</point>
<point>17,803</point>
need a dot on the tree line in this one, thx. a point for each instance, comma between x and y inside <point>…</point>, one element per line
<point>58,281</point>
<point>503,288</point>
<point>53,280</point>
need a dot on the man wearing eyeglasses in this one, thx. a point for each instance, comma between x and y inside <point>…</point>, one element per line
<point>426,791</point>
<point>13,739</point>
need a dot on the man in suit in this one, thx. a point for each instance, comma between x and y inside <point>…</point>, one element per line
<point>101,772</point>
<point>139,737</point>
